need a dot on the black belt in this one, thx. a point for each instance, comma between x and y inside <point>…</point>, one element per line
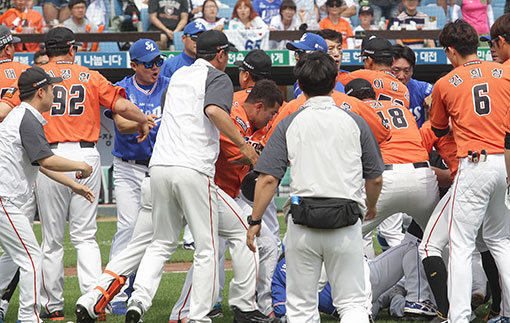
<point>144,162</point>
<point>83,144</point>
<point>416,165</point>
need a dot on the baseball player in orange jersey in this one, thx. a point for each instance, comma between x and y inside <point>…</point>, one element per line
<point>381,130</point>
<point>72,131</point>
<point>474,96</point>
<point>11,69</point>
<point>377,54</point>
<point>409,184</point>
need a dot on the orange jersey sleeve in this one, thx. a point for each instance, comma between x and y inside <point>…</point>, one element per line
<point>381,131</point>
<point>240,96</point>
<point>405,136</point>
<point>285,110</point>
<point>75,113</point>
<point>386,86</point>
<point>10,72</point>
<point>445,146</point>
<point>474,96</point>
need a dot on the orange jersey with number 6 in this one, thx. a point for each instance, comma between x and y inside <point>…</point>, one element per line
<point>386,86</point>
<point>475,97</point>
<point>405,145</point>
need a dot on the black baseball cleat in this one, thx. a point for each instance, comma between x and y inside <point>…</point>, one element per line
<point>250,316</point>
<point>82,315</point>
<point>134,313</point>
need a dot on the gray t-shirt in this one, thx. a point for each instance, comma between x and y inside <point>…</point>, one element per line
<point>33,139</point>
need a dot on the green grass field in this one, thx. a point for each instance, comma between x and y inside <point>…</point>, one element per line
<point>168,291</point>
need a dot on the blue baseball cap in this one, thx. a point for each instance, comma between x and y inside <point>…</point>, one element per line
<point>194,28</point>
<point>309,41</point>
<point>144,50</point>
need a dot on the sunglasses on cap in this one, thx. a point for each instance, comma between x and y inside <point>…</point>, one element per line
<point>193,37</point>
<point>158,62</point>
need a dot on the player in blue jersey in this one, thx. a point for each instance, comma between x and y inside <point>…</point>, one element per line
<point>403,67</point>
<point>131,158</point>
<point>188,55</point>
<point>333,47</point>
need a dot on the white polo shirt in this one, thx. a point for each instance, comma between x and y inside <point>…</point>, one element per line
<point>22,144</point>
<point>186,136</point>
<point>330,151</point>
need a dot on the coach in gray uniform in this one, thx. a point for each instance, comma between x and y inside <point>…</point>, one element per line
<point>330,151</point>
<point>196,108</point>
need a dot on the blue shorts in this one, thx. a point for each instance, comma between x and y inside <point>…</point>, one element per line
<point>56,3</point>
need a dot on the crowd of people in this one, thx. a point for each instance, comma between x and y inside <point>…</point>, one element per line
<point>425,165</point>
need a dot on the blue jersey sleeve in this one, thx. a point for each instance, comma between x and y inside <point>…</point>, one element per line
<point>326,301</point>
<point>278,289</point>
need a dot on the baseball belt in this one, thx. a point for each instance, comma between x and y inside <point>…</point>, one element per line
<point>416,165</point>
<point>83,144</point>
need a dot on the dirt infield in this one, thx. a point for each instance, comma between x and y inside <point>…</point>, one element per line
<point>174,267</point>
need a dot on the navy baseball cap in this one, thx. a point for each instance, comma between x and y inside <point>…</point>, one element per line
<point>376,47</point>
<point>144,50</point>
<point>35,78</point>
<point>256,62</point>
<point>309,41</point>
<point>60,37</point>
<point>194,28</point>
<point>366,9</point>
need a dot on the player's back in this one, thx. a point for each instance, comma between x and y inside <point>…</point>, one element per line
<point>405,135</point>
<point>386,86</point>
<point>11,72</point>
<point>476,96</point>
<point>75,113</point>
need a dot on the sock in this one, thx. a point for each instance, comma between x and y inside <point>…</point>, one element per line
<point>436,275</point>
<point>492,273</point>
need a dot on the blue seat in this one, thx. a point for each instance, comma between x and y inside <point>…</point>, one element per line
<point>428,3</point>
<point>498,12</point>
<point>109,47</point>
<point>435,11</point>
<point>225,13</point>
<point>38,9</point>
<point>355,21</point>
<point>179,45</point>
<point>498,3</point>
<point>146,22</point>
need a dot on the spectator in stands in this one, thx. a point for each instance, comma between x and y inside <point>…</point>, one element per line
<point>167,17</point>
<point>267,9</point>
<point>188,55</point>
<point>366,16</point>
<point>404,60</point>
<point>78,23</point>
<point>245,17</point>
<point>335,21</point>
<point>310,9</point>
<point>195,11</point>
<point>210,16</point>
<point>385,9</point>
<point>413,19</point>
<point>22,19</point>
<point>350,9</point>
<point>40,58</point>
<point>97,12</point>
<point>55,11</point>
<point>286,20</point>
<point>478,13</point>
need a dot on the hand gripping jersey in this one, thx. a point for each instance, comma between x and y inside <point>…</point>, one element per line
<point>386,86</point>
<point>445,147</point>
<point>405,135</point>
<point>477,116</point>
<point>381,131</point>
<point>149,101</point>
<point>11,70</point>
<point>418,91</point>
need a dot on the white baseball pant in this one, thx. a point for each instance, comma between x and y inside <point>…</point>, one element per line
<point>391,229</point>
<point>58,203</point>
<point>19,242</point>
<point>341,252</point>
<point>127,178</point>
<point>406,189</point>
<point>477,201</point>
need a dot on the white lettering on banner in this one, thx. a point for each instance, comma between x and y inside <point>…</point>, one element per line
<point>77,60</point>
<point>248,39</point>
<point>277,58</point>
<point>428,56</point>
<point>233,57</point>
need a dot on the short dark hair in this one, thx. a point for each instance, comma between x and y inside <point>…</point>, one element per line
<point>73,3</point>
<point>267,92</point>
<point>203,5</point>
<point>404,52</point>
<point>501,27</point>
<point>60,51</point>
<point>330,34</point>
<point>316,73</point>
<point>39,54</point>
<point>288,4</point>
<point>461,36</point>
<point>30,95</point>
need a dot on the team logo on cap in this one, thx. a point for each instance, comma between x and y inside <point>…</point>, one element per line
<point>36,84</point>
<point>198,25</point>
<point>5,40</point>
<point>149,46</point>
<point>303,38</point>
